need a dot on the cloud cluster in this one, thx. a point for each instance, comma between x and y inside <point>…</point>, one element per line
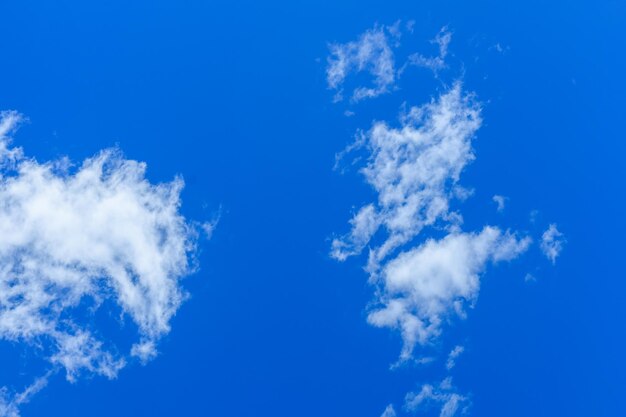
<point>422,283</point>
<point>415,170</point>
<point>75,240</point>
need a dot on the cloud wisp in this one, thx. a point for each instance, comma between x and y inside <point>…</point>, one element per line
<point>74,241</point>
<point>438,62</point>
<point>453,356</point>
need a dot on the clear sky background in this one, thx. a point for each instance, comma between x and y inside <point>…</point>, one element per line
<point>232,95</point>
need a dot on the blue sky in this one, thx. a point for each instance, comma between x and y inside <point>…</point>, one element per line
<point>234,98</point>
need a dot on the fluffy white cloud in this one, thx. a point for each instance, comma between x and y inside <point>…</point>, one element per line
<point>414,169</point>
<point>436,280</point>
<point>442,395</point>
<point>73,240</point>
<point>371,53</point>
<point>552,242</point>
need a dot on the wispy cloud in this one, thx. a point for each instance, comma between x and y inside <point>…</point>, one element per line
<point>453,355</point>
<point>552,242</point>
<point>9,404</point>
<point>389,412</point>
<point>438,62</point>
<point>73,241</point>
<point>443,396</point>
<point>371,53</point>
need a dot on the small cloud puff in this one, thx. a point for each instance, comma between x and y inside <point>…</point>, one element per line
<point>500,202</point>
<point>552,242</point>
<point>529,278</point>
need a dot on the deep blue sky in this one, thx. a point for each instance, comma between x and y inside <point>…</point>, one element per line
<point>232,95</point>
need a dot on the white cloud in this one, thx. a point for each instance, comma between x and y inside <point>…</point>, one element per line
<point>500,202</point>
<point>443,395</point>
<point>415,170</point>
<point>75,240</point>
<point>436,280</point>
<point>552,242</point>
<point>453,355</point>
<point>371,53</point>
<point>436,63</point>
